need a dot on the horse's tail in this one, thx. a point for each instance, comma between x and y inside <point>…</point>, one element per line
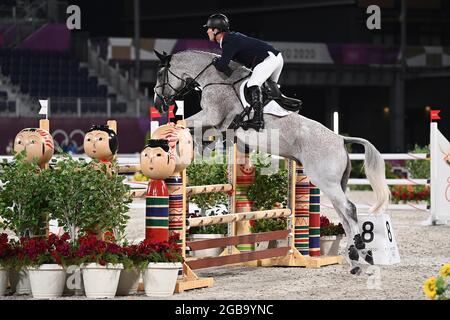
<point>375,171</point>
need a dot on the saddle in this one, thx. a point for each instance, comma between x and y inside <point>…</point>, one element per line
<point>271,91</point>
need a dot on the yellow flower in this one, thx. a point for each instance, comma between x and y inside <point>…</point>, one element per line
<point>429,287</point>
<point>445,270</point>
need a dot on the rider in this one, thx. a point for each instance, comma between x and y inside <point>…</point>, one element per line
<point>265,61</point>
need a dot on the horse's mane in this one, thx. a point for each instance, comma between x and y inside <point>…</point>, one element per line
<point>239,70</point>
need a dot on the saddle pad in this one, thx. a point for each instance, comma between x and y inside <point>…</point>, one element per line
<point>270,108</point>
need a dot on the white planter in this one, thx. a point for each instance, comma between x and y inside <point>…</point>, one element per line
<point>213,252</point>
<point>160,279</point>
<point>101,281</point>
<point>3,280</point>
<point>128,282</point>
<point>74,282</point>
<point>329,245</point>
<point>47,281</point>
<point>263,245</point>
<point>20,282</point>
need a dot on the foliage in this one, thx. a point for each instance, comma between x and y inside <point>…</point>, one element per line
<point>438,287</point>
<point>91,249</point>
<point>408,193</point>
<point>6,250</point>
<point>265,225</point>
<point>327,228</point>
<point>150,251</point>
<point>52,250</point>
<point>24,197</point>
<point>85,199</point>
<point>221,228</point>
<point>206,172</point>
<point>419,169</point>
<point>267,192</point>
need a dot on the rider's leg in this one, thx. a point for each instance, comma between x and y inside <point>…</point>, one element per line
<point>260,74</point>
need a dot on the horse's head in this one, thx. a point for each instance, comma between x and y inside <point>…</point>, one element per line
<point>168,84</point>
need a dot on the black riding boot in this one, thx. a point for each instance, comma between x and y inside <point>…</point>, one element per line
<point>257,122</point>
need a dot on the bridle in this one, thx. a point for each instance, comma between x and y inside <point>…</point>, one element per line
<point>189,85</point>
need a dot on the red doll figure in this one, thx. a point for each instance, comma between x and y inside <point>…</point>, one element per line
<point>157,163</point>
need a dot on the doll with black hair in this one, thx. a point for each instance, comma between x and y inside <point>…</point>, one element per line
<point>101,143</point>
<point>157,163</point>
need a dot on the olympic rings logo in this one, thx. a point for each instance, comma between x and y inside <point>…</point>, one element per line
<point>68,138</point>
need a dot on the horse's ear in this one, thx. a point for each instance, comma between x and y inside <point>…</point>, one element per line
<point>160,56</point>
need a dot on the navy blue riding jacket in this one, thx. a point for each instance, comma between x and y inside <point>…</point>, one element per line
<point>243,49</point>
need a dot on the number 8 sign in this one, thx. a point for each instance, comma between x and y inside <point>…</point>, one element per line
<point>378,234</point>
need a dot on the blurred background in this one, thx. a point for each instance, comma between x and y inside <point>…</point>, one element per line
<point>382,82</point>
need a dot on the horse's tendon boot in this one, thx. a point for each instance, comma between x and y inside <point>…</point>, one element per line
<point>353,253</point>
<point>359,243</point>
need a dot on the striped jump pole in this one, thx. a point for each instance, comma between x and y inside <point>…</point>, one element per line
<point>314,220</point>
<point>245,176</point>
<point>301,235</point>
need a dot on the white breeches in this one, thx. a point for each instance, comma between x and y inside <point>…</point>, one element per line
<point>270,68</point>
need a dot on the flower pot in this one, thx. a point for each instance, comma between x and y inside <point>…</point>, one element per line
<point>47,281</point>
<point>160,279</point>
<point>128,282</point>
<point>3,280</point>
<point>329,245</point>
<point>101,281</point>
<point>212,252</point>
<point>20,281</point>
<point>74,282</point>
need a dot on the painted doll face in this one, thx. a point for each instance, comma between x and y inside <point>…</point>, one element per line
<point>180,143</point>
<point>96,145</point>
<point>38,144</point>
<point>156,163</point>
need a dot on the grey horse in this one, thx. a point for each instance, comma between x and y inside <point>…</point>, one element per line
<point>321,151</point>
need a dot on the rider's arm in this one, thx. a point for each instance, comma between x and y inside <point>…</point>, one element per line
<point>222,64</point>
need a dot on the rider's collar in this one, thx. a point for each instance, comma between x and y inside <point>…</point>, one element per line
<point>220,42</point>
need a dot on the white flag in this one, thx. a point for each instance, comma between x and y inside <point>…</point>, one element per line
<point>180,110</point>
<point>44,104</point>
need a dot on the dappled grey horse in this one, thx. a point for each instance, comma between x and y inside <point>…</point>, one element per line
<point>321,151</point>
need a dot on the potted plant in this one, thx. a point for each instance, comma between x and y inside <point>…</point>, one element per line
<point>85,200</point>
<point>46,260</point>
<point>160,262</point>
<point>130,275</point>
<point>24,207</point>
<point>101,264</point>
<point>5,254</point>
<point>330,236</point>
<point>267,225</point>
<point>269,191</point>
<point>207,232</point>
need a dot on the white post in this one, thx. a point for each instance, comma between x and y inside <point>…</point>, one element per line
<point>336,122</point>
<point>79,107</point>
<point>433,172</point>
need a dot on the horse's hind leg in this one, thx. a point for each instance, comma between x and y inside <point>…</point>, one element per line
<point>347,212</point>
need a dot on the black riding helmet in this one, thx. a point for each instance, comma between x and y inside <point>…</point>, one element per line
<point>219,21</point>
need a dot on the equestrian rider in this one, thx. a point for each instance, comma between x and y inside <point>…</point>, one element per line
<point>265,61</point>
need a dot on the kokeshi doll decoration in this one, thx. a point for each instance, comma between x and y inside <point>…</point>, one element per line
<point>157,163</point>
<point>101,143</point>
<point>314,220</point>
<point>37,143</point>
<point>301,234</point>
<point>181,146</point>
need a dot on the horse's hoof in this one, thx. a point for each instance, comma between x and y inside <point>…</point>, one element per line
<point>356,271</point>
<point>369,257</point>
